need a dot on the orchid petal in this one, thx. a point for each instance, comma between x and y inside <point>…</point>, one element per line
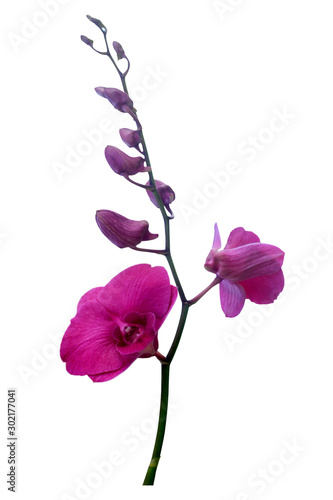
<point>217,238</point>
<point>264,289</point>
<point>210,264</point>
<point>140,288</point>
<point>248,261</point>
<point>86,346</point>
<point>239,237</point>
<point>232,297</point>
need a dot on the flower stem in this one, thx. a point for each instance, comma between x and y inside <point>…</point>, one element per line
<point>201,294</point>
<point>166,362</point>
<point>151,472</point>
<point>179,331</point>
<point>150,250</point>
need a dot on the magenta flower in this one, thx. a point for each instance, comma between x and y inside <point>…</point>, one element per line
<point>166,193</point>
<point>121,231</point>
<point>118,323</point>
<point>123,164</point>
<point>248,270</point>
<point>119,99</point>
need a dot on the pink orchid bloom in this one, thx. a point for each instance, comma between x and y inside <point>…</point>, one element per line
<point>118,323</point>
<point>248,270</point>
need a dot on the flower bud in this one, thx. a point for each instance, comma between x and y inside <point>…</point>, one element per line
<point>130,137</point>
<point>121,231</point>
<point>119,99</point>
<point>98,23</point>
<point>166,193</point>
<point>119,50</point>
<point>123,164</point>
<point>87,40</point>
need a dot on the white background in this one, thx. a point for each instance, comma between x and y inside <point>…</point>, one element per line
<point>240,388</point>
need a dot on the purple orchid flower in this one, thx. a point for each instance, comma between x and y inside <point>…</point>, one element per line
<point>118,323</point>
<point>248,270</point>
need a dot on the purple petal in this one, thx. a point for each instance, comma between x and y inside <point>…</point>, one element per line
<point>139,288</point>
<point>90,295</point>
<point>217,238</point>
<point>173,297</point>
<point>264,289</point>
<point>248,261</point>
<point>88,347</point>
<point>210,264</point>
<point>232,297</point>
<point>105,376</point>
<point>239,237</point>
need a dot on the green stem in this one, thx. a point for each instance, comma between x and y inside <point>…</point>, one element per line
<point>151,472</point>
<point>179,331</point>
<point>166,362</point>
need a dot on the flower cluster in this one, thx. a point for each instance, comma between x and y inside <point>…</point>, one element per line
<point>118,323</point>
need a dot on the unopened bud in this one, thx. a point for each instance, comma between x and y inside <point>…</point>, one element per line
<point>119,99</point>
<point>87,40</point>
<point>119,50</point>
<point>130,137</point>
<point>98,23</point>
<point>123,232</point>
<point>166,193</point>
<point>123,164</point>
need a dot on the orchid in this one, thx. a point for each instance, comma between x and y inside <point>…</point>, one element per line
<point>247,268</point>
<point>118,323</point>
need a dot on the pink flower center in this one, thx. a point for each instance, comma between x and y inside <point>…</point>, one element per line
<point>131,333</point>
